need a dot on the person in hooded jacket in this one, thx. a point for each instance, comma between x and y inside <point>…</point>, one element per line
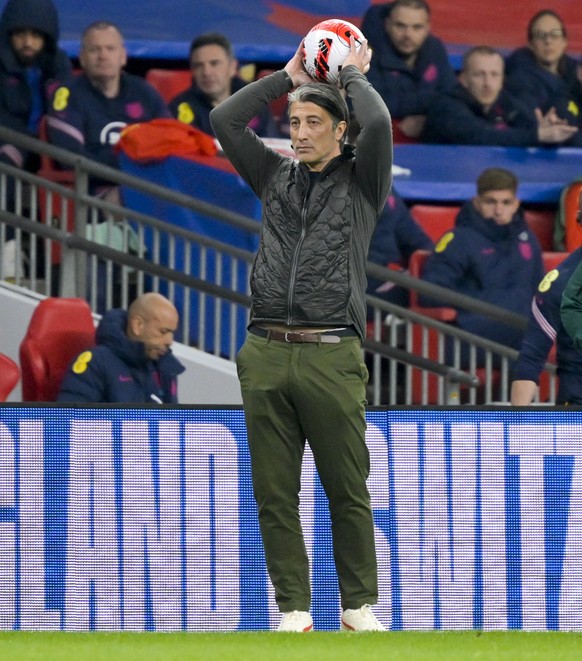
<point>132,362</point>
<point>31,68</point>
<point>490,255</point>
<point>410,64</point>
<point>542,75</point>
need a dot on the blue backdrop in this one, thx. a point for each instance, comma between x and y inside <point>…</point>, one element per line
<point>259,29</point>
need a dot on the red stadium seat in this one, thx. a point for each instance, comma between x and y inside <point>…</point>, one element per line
<point>425,340</point>
<point>541,223</point>
<point>60,328</point>
<point>169,82</point>
<point>573,237</point>
<point>52,206</point>
<point>9,376</point>
<point>552,260</point>
<point>415,268</point>
<point>434,219</point>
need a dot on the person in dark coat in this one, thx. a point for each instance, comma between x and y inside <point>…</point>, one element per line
<point>543,76</point>
<point>88,116</point>
<point>544,329</point>
<point>132,362</point>
<point>410,64</point>
<point>214,78</point>
<point>31,68</point>
<point>479,111</point>
<point>396,237</point>
<point>490,255</point>
<point>302,354</point>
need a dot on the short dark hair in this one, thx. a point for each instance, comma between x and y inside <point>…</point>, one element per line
<point>325,96</point>
<point>540,14</point>
<point>496,179</point>
<point>212,39</point>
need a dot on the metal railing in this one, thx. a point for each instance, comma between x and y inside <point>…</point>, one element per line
<point>69,240</point>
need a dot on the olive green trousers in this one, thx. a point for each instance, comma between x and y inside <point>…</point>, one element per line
<point>315,392</point>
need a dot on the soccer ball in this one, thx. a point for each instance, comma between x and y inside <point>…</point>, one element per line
<point>326,46</point>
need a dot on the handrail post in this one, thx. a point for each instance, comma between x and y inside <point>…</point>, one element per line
<point>452,392</point>
<point>73,261</point>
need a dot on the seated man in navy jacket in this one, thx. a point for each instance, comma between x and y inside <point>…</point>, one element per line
<point>215,77</point>
<point>409,64</point>
<point>87,118</point>
<point>478,111</point>
<point>491,256</point>
<point>132,362</point>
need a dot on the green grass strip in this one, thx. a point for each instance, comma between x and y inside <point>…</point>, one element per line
<point>272,646</point>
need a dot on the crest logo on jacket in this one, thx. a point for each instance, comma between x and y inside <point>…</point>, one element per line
<point>546,283</point>
<point>431,73</point>
<point>134,110</point>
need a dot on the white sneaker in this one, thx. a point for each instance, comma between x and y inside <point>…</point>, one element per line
<point>360,619</point>
<point>298,621</point>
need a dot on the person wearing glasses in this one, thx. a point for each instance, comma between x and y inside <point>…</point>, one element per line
<point>543,76</point>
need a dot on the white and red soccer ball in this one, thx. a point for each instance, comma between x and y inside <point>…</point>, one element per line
<point>326,46</point>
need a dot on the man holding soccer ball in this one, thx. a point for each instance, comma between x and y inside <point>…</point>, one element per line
<point>301,370</point>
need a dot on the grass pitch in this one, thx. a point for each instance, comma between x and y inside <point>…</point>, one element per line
<point>271,646</point>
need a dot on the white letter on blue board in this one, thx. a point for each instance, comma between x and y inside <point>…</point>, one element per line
<point>92,557</point>
<point>152,532</point>
<point>569,442</point>
<point>212,528</point>
<point>33,614</point>
<point>531,443</point>
<point>7,531</point>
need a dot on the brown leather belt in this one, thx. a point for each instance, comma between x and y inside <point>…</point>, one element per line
<point>303,336</point>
